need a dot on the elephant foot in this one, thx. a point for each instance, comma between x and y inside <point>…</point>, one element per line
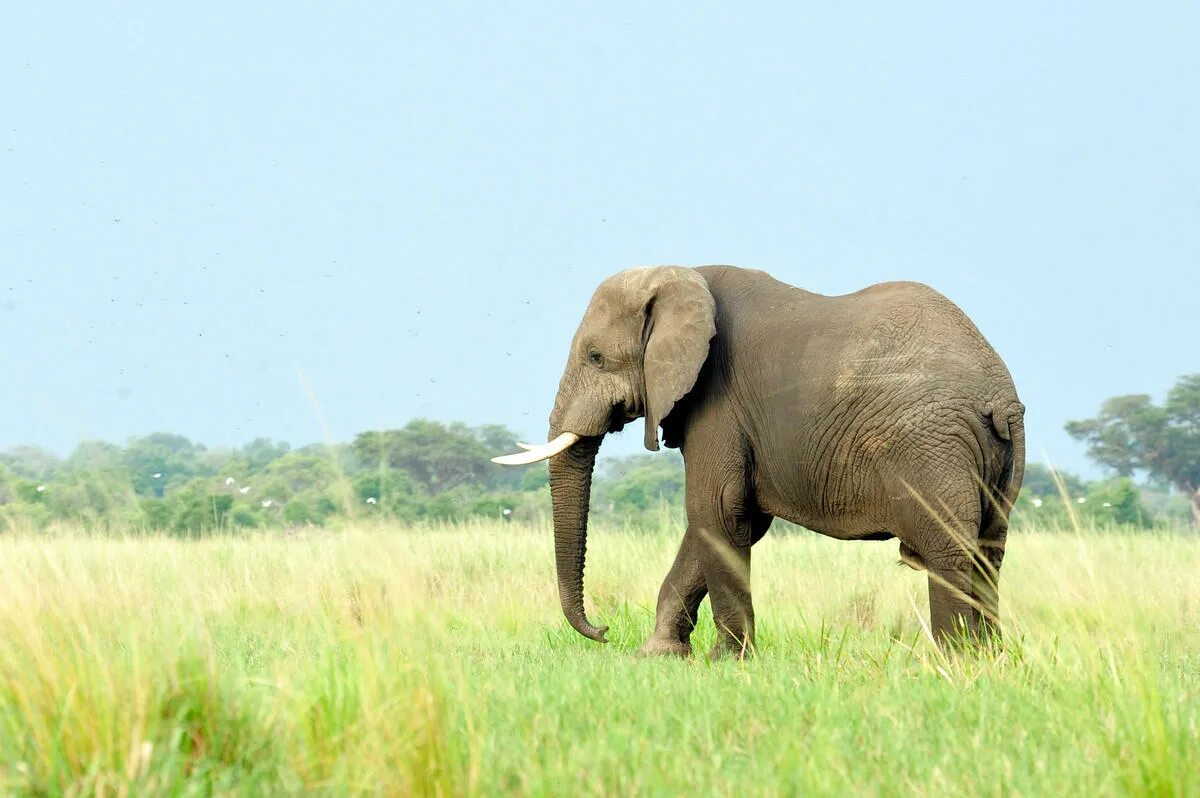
<point>659,647</point>
<point>731,649</point>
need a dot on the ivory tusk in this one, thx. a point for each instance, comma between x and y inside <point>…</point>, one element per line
<point>534,454</point>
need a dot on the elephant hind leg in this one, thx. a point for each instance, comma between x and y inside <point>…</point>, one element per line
<point>964,600</point>
<point>984,588</point>
<point>992,539</point>
<point>944,539</point>
<point>955,614</point>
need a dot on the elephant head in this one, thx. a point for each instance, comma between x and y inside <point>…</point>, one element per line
<point>638,351</point>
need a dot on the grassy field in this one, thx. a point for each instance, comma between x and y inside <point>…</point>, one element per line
<point>389,661</point>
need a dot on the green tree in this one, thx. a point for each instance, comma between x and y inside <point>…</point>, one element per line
<point>192,509</point>
<point>155,460</point>
<point>30,491</point>
<point>30,462</point>
<point>261,452</point>
<point>389,493</point>
<point>156,513</point>
<point>438,457</point>
<point>1166,505</point>
<point>296,472</point>
<point>305,484</point>
<point>220,462</point>
<point>1117,500</point>
<point>629,486</point>
<point>90,456</point>
<point>309,509</point>
<point>535,478</point>
<point>7,492</point>
<point>93,497</point>
<point>1133,434</point>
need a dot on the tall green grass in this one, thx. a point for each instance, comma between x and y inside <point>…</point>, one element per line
<point>433,661</point>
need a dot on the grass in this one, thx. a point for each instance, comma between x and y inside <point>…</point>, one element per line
<point>433,661</point>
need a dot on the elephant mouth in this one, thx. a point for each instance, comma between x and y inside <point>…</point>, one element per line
<point>618,417</point>
<point>621,415</point>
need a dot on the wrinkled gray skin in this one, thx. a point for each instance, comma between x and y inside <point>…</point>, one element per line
<point>879,414</point>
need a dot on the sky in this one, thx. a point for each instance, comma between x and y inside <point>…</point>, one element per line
<point>235,220</point>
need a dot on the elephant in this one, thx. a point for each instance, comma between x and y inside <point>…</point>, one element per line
<point>873,415</point>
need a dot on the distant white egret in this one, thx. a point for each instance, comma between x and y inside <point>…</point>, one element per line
<point>266,502</point>
<point>246,489</point>
<point>229,480</point>
<point>371,500</point>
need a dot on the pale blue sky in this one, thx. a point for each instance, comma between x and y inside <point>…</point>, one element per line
<point>411,206</point>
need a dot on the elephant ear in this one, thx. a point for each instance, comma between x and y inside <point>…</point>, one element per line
<point>680,323</point>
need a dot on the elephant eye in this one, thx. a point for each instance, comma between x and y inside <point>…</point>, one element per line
<point>595,358</point>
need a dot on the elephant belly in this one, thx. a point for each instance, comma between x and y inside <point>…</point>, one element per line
<point>848,526</point>
<point>846,500</point>
<point>845,531</point>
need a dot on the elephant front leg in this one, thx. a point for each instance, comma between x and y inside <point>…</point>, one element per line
<point>678,602</point>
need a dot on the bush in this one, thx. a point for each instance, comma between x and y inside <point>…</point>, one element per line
<point>1117,501</point>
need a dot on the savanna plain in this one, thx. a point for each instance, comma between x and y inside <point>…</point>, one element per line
<point>432,660</point>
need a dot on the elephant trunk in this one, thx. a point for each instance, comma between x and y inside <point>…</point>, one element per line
<point>570,490</point>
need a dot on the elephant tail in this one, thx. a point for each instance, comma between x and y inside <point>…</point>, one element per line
<point>1009,424</point>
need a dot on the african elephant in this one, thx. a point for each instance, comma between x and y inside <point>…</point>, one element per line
<point>878,414</point>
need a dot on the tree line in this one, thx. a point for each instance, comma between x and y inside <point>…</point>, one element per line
<point>428,470</point>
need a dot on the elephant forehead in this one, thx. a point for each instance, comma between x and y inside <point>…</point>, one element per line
<point>613,337</point>
<point>641,280</point>
<point>613,309</point>
<point>616,293</point>
<point>637,277</point>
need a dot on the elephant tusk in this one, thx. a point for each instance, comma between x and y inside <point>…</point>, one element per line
<point>529,447</point>
<point>537,453</point>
